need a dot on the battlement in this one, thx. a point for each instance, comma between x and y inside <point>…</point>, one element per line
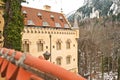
<point>42,30</point>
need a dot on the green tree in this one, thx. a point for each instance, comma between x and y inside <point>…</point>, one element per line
<point>13,24</point>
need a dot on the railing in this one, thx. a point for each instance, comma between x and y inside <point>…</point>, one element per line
<point>15,65</point>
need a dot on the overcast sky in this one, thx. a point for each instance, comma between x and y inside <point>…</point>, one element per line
<point>56,5</point>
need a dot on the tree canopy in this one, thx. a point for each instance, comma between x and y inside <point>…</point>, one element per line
<point>13,24</point>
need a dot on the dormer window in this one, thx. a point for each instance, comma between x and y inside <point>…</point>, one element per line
<point>52,16</point>
<point>30,22</point>
<point>66,26</point>
<point>45,23</point>
<point>25,13</point>
<point>39,14</point>
<point>57,25</point>
<point>61,18</point>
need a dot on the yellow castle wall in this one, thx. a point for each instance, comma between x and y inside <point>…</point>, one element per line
<point>63,35</point>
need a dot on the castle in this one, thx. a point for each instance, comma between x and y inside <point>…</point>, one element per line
<point>47,32</point>
<point>50,32</point>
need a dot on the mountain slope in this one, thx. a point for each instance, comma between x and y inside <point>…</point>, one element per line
<point>96,8</point>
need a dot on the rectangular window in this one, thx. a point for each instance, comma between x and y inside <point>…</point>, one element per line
<point>30,22</point>
<point>58,61</point>
<point>68,60</point>
<point>66,26</point>
<point>40,47</point>
<point>58,46</point>
<point>57,25</point>
<point>26,47</point>
<point>67,45</point>
<point>45,24</point>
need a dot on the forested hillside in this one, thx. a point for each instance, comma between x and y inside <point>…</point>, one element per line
<point>90,7</point>
<point>99,42</point>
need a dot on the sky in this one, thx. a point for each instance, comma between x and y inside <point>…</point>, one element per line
<point>67,5</point>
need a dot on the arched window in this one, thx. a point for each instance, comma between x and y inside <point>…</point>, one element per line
<point>68,44</point>
<point>40,45</point>
<point>59,61</point>
<point>58,45</point>
<point>26,45</point>
<point>68,59</point>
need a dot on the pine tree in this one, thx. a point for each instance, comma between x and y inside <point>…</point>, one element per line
<point>13,24</point>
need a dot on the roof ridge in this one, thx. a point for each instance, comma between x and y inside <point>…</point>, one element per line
<point>41,10</point>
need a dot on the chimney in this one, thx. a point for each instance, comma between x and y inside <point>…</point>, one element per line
<point>47,7</point>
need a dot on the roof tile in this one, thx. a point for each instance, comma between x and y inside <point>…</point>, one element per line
<point>45,16</point>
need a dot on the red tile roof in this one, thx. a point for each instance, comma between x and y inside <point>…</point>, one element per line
<point>52,18</point>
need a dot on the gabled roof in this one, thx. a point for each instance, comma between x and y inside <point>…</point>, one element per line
<point>43,18</point>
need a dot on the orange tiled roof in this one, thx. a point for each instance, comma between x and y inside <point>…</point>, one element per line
<point>38,17</point>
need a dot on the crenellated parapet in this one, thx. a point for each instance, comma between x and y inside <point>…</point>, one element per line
<point>45,30</point>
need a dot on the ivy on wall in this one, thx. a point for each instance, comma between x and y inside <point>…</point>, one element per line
<point>13,24</point>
